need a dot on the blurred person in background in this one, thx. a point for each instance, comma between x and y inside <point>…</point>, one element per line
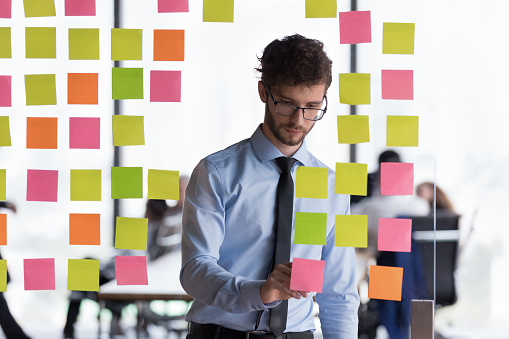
<point>10,327</point>
<point>444,205</point>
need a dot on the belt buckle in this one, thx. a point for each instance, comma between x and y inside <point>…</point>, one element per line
<point>248,333</point>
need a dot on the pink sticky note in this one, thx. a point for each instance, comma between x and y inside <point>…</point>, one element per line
<point>5,90</point>
<point>5,9</point>
<point>354,27</point>
<point>131,270</point>
<point>84,133</point>
<point>394,234</point>
<point>168,6</point>
<point>39,274</point>
<point>80,7</point>
<point>396,178</point>
<point>42,185</point>
<point>398,84</point>
<point>165,86</point>
<point>307,275</point>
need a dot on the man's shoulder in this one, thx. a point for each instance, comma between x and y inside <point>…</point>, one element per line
<point>234,150</point>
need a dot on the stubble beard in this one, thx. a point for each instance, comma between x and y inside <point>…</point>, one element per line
<point>277,129</point>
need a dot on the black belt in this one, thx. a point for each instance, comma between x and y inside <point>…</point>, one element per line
<point>212,331</point>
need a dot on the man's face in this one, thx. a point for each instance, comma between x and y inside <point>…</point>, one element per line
<point>290,130</point>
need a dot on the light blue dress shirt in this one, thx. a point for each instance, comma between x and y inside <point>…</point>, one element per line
<point>228,243</point>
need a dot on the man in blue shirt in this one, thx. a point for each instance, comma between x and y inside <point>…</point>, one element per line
<point>229,216</point>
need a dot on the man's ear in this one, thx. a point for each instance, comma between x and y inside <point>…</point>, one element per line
<point>262,92</point>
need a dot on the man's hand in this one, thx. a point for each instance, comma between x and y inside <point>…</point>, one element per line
<point>277,286</point>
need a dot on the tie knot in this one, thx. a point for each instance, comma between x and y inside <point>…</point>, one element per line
<point>285,163</point>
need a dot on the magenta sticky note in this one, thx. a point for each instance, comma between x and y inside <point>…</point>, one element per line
<point>39,274</point>
<point>5,9</point>
<point>42,185</point>
<point>394,234</point>
<point>85,133</point>
<point>354,27</point>
<point>165,86</point>
<point>5,90</point>
<point>80,7</point>
<point>398,84</point>
<point>396,178</point>
<point>307,275</point>
<point>169,6</point>
<point>131,270</point>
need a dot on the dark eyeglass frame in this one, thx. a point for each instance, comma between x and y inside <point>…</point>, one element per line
<point>296,108</point>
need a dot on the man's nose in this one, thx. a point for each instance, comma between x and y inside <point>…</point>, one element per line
<point>298,117</point>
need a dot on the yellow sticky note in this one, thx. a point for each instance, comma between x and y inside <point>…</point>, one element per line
<point>355,88</point>
<point>40,89</point>
<point>3,275</point>
<point>351,231</point>
<point>353,129</point>
<point>5,134</point>
<point>128,130</point>
<point>41,42</point>
<point>351,178</point>
<point>85,185</point>
<point>310,228</point>
<point>402,131</point>
<point>5,42</point>
<point>83,43</point>
<point>321,8</point>
<point>39,8</point>
<point>218,10</point>
<point>126,44</point>
<point>398,38</point>
<point>311,182</point>
<point>83,275</point>
<point>163,184</point>
<point>131,233</point>
<point>3,184</point>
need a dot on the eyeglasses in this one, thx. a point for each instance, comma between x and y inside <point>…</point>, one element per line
<point>287,109</point>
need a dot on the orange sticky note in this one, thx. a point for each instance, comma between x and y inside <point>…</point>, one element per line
<point>3,229</point>
<point>169,44</point>
<point>42,133</point>
<point>84,229</point>
<point>385,282</point>
<point>82,88</point>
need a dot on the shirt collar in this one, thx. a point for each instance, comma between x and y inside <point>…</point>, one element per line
<point>267,151</point>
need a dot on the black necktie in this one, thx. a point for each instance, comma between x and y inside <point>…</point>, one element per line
<point>278,314</point>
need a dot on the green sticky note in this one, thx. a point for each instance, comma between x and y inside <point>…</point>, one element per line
<point>311,182</point>
<point>351,231</point>
<point>85,185</point>
<point>83,43</point>
<point>41,42</point>
<point>163,184</point>
<point>354,88</point>
<point>321,8</point>
<point>40,89</point>
<point>398,38</point>
<point>218,10</point>
<point>3,275</point>
<point>131,233</point>
<point>38,8</point>
<point>402,131</point>
<point>82,275</point>
<point>126,182</point>
<point>310,228</point>
<point>127,83</point>
<point>5,134</point>
<point>126,44</point>
<point>128,130</point>
<point>353,129</point>
<point>351,178</point>
<point>3,184</point>
<point>5,42</point>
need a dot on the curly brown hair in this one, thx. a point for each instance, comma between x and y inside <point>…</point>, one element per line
<point>295,60</point>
